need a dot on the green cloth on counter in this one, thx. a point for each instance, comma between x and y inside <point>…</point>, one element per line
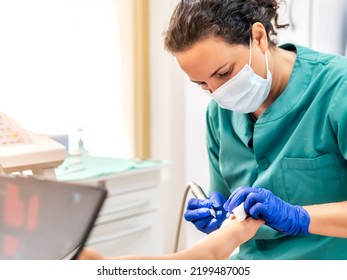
<point>86,167</point>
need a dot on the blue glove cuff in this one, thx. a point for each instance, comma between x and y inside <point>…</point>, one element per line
<point>302,223</point>
<point>304,219</point>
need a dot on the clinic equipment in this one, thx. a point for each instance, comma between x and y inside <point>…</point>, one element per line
<point>22,150</point>
<point>46,219</point>
<point>199,193</point>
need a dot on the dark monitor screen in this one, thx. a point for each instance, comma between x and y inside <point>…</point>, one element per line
<point>45,219</point>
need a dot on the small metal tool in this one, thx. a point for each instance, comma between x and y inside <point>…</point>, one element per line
<point>199,193</point>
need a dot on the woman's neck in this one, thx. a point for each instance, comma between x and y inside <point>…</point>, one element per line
<point>281,64</point>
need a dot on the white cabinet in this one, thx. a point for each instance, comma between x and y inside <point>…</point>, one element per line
<point>130,220</point>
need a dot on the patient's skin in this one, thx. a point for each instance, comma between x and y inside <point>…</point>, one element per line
<point>218,245</point>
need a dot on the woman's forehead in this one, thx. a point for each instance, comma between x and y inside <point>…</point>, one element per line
<point>209,54</point>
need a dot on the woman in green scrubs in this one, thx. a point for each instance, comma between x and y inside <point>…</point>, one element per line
<point>276,128</point>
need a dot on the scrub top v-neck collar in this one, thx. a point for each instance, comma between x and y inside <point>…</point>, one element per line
<point>288,98</point>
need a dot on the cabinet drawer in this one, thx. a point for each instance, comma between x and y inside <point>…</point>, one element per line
<point>130,204</point>
<point>139,179</point>
<point>128,222</point>
<point>133,236</point>
<point>129,181</point>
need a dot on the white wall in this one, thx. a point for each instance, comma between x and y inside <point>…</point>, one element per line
<point>329,25</point>
<point>195,140</point>
<point>61,70</point>
<point>318,24</point>
<point>178,128</point>
<point>167,120</point>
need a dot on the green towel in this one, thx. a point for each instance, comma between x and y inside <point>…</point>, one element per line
<point>85,167</point>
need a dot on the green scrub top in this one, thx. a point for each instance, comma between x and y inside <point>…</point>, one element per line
<point>297,149</point>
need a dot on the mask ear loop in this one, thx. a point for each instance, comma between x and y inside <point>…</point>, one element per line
<point>250,57</point>
<point>250,51</point>
<point>267,65</point>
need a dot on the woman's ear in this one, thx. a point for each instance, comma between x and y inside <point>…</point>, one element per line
<point>259,36</point>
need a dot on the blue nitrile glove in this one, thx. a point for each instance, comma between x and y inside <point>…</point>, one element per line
<point>278,214</point>
<point>198,212</point>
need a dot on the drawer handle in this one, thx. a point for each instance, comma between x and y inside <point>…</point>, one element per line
<point>129,206</point>
<point>131,231</point>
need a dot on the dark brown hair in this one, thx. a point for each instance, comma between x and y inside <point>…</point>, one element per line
<point>231,20</point>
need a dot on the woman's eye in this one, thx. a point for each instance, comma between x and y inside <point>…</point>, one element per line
<point>225,74</point>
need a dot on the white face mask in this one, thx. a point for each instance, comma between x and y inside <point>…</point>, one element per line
<point>244,92</point>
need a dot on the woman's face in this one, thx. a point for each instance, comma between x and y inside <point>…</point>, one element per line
<point>212,62</point>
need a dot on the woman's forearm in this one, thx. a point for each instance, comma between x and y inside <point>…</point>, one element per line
<point>218,245</point>
<point>215,246</point>
<point>328,219</point>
